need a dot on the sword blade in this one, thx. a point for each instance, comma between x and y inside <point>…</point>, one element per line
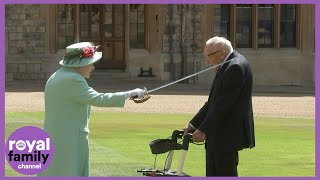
<point>187,77</point>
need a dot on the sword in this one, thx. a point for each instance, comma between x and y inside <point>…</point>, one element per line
<point>146,97</point>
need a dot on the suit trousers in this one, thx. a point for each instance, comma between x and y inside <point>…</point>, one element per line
<point>222,163</point>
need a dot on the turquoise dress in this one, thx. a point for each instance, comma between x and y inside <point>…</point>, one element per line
<point>68,100</point>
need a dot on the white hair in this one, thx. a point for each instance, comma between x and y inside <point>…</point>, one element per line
<point>222,42</point>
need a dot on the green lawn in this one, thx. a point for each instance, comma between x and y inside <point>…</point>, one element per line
<point>120,144</point>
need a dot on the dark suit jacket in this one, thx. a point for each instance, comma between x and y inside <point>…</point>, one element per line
<point>227,117</point>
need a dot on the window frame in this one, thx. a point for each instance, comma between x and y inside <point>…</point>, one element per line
<point>145,45</point>
<point>254,19</point>
<point>296,28</point>
<point>73,14</point>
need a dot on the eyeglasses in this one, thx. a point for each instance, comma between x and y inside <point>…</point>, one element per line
<point>207,56</point>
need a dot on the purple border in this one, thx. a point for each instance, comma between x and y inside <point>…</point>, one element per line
<point>159,1</point>
<point>2,84</point>
<point>2,61</point>
<point>317,90</point>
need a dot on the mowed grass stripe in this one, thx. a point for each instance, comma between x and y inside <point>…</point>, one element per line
<point>119,144</point>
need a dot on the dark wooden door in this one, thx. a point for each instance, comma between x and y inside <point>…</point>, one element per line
<point>104,24</point>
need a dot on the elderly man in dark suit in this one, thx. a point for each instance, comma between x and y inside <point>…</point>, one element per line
<point>225,122</point>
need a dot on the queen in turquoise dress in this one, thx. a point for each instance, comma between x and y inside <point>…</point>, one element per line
<point>68,100</point>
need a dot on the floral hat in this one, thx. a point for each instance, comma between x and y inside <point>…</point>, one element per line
<point>81,54</point>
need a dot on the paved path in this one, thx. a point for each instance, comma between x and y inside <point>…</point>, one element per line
<point>180,99</point>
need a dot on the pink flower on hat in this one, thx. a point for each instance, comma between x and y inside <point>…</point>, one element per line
<point>87,52</point>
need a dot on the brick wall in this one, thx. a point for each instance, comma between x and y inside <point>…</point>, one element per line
<point>25,31</point>
<point>187,38</point>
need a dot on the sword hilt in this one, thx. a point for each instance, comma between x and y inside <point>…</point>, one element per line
<point>144,99</point>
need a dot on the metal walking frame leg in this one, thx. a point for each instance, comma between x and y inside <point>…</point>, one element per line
<point>185,148</point>
<point>160,146</point>
<point>169,161</point>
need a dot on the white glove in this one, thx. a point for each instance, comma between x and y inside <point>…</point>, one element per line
<point>136,93</point>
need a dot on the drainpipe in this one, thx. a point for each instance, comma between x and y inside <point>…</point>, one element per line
<point>171,31</point>
<point>183,45</point>
<point>194,45</point>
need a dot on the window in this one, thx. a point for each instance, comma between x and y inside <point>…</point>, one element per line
<point>287,25</point>
<point>265,26</point>
<point>107,23</point>
<point>243,26</point>
<point>221,20</point>
<point>275,24</point>
<point>101,21</point>
<point>137,31</point>
<point>118,11</point>
<point>65,25</point>
<point>89,21</point>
